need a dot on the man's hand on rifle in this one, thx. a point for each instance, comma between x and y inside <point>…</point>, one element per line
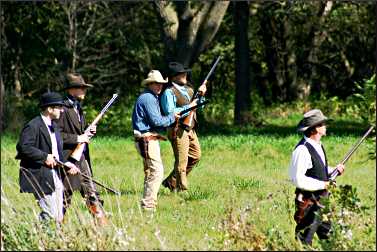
<point>194,102</point>
<point>93,130</point>
<point>84,138</point>
<point>340,168</point>
<point>177,116</point>
<point>73,168</point>
<point>50,161</point>
<point>202,89</point>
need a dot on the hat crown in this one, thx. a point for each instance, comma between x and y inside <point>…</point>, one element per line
<point>311,118</point>
<point>51,98</point>
<point>177,68</point>
<point>74,80</point>
<point>154,76</point>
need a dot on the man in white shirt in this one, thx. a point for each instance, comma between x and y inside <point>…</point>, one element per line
<point>309,172</point>
<point>39,147</point>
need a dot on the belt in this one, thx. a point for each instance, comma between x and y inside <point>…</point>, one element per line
<point>151,137</point>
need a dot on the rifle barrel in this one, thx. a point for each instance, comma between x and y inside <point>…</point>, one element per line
<point>90,178</point>
<point>335,173</point>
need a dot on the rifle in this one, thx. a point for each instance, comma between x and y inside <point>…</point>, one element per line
<point>77,152</point>
<point>189,119</point>
<point>335,173</point>
<point>184,112</point>
<point>60,163</point>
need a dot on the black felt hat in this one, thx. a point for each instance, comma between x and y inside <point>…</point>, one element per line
<point>51,99</point>
<point>176,68</point>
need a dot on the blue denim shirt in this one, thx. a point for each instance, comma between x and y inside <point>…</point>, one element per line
<point>147,117</point>
<point>169,101</point>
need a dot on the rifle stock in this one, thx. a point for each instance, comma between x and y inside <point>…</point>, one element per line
<point>77,152</point>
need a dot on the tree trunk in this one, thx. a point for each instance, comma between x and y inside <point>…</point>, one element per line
<point>71,11</point>
<point>188,29</point>
<point>242,63</point>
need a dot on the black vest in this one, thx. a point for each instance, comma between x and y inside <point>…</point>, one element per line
<point>319,170</point>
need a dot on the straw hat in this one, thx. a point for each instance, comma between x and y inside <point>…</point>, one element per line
<point>154,76</point>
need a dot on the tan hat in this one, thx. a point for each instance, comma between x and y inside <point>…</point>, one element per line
<point>154,76</point>
<point>74,80</point>
<point>311,118</point>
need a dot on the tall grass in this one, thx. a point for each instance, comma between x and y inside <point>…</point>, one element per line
<point>239,198</point>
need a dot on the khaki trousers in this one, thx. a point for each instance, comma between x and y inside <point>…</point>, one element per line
<point>187,154</point>
<point>153,174</point>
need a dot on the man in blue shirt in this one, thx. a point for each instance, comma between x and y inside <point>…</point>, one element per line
<point>177,97</point>
<point>147,121</point>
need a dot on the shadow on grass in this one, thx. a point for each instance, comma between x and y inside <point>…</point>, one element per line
<point>335,128</point>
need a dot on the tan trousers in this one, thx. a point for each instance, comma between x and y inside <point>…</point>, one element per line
<point>187,154</point>
<point>153,174</point>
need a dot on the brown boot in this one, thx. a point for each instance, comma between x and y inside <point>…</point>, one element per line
<point>97,211</point>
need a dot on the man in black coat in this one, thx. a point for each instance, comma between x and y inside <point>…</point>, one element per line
<point>38,147</point>
<point>72,124</point>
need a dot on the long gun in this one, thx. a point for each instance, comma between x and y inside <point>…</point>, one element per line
<point>60,163</point>
<point>189,119</point>
<point>193,107</point>
<point>77,152</point>
<point>335,173</point>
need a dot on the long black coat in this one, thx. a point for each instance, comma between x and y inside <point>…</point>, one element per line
<point>70,128</point>
<point>32,149</point>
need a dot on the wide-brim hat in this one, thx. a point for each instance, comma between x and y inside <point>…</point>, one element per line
<point>51,99</point>
<point>176,68</point>
<point>311,118</point>
<point>74,80</point>
<point>154,76</point>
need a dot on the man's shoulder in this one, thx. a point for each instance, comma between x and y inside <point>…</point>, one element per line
<point>145,97</point>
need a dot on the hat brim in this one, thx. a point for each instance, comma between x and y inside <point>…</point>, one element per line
<point>180,72</point>
<point>300,128</point>
<point>52,104</point>
<point>74,85</point>
<point>148,81</point>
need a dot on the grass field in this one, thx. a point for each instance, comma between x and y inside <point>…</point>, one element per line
<point>239,197</point>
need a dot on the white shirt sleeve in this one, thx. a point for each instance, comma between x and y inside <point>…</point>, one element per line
<point>301,161</point>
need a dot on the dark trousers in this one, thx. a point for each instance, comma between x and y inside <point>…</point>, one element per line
<point>310,223</point>
<point>85,185</point>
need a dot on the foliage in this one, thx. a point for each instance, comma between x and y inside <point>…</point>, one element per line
<point>344,209</point>
<point>119,42</point>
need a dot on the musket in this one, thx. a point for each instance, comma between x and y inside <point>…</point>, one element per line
<point>335,173</point>
<point>189,119</point>
<point>184,112</point>
<point>60,163</point>
<point>77,152</point>
<point>193,107</point>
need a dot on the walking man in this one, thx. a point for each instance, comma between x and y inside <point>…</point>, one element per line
<point>72,124</point>
<point>309,172</point>
<point>177,97</point>
<point>147,122</point>
<point>38,147</point>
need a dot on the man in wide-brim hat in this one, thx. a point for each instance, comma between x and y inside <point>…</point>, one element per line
<point>177,97</point>
<point>147,123</point>
<point>39,146</point>
<point>309,172</point>
<point>73,125</point>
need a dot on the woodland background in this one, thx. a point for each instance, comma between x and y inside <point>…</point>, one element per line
<point>274,53</point>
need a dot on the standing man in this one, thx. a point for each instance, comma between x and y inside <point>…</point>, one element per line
<point>72,124</point>
<point>185,143</point>
<point>309,172</point>
<point>38,147</point>
<point>147,122</point>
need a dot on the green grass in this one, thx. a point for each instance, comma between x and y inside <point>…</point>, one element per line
<point>239,197</point>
